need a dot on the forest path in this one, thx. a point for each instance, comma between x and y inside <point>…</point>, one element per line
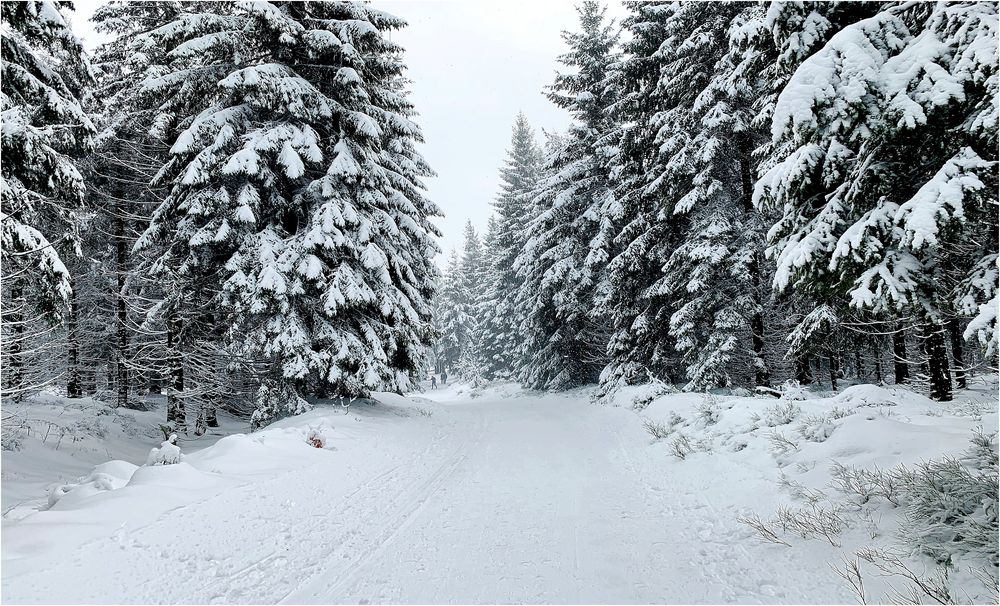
<point>549,499</point>
<point>528,499</point>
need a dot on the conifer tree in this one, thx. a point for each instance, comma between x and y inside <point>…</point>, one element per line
<point>564,255</point>
<point>45,77</point>
<point>714,273</point>
<point>637,296</point>
<point>454,324</point>
<point>886,148</point>
<point>296,187</point>
<point>126,159</point>
<point>502,318</point>
<point>473,265</point>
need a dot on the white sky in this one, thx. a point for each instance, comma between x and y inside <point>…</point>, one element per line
<point>474,65</point>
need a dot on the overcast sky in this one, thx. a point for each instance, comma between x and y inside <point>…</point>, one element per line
<point>474,65</point>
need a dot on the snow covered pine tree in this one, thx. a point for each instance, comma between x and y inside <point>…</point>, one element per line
<point>296,225</point>
<point>567,244</point>
<point>45,129</point>
<point>640,346</point>
<point>501,318</point>
<point>887,148</point>
<point>452,318</point>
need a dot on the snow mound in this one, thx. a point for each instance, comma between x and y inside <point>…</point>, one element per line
<point>856,470</point>
<point>106,476</point>
<point>167,454</point>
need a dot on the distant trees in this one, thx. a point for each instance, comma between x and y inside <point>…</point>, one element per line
<point>567,242</point>
<point>501,315</point>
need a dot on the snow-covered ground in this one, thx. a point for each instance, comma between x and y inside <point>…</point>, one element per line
<point>58,440</point>
<point>479,496</point>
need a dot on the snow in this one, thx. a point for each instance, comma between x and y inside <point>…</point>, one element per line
<point>290,159</point>
<point>486,495</point>
<point>60,441</point>
<point>941,199</point>
<point>167,454</point>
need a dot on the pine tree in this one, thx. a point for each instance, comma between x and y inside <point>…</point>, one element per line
<point>454,323</point>
<point>472,268</point>
<point>564,256</point>
<point>714,274</point>
<point>125,161</point>
<point>885,141</point>
<point>767,44</point>
<point>45,77</point>
<point>457,308</point>
<point>637,296</point>
<point>473,282</point>
<point>502,318</point>
<point>295,185</point>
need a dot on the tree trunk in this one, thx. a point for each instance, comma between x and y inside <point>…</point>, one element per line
<point>955,332</point>
<point>762,375</point>
<point>900,367</point>
<point>802,372</point>
<point>859,368</point>
<point>819,371</point>
<point>88,380</point>
<point>877,355</point>
<point>834,370</point>
<point>74,388</point>
<point>937,363</point>
<point>175,374</point>
<point>155,383</point>
<point>201,425</point>
<point>121,316</point>
<point>14,373</point>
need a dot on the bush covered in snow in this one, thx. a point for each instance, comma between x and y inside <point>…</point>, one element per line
<point>792,390</point>
<point>167,454</point>
<point>779,414</point>
<point>951,505</point>
<point>949,515</point>
<point>708,411</point>
<point>656,429</point>
<point>816,428</point>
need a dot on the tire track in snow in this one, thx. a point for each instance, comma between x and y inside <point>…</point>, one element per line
<point>373,544</point>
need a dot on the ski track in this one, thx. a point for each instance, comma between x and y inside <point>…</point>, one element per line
<point>516,500</point>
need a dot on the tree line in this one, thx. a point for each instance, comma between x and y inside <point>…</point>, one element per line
<point>223,204</point>
<point>748,193</point>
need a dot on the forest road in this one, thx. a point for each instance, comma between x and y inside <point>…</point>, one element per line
<point>547,499</point>
<point>530,499</point>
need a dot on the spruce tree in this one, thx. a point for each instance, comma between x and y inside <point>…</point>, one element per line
<point>453,321</point>
<point>637,296</point>
<point>45,77</point>
<point>886,164</point>
<point>473,265</point>
<point>567,246</point>
<point>125,160</point>
<point>501,319</point>
<point>296,231</point>
<point>714,274</point>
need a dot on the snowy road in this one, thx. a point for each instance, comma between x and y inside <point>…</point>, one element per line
<point>525,499</point>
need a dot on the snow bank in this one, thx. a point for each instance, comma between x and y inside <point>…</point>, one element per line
<point>458,391</point>
<point>130,520</point>
<point>106,476</point>
<point>53,442</point>
<point>816,447</point>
